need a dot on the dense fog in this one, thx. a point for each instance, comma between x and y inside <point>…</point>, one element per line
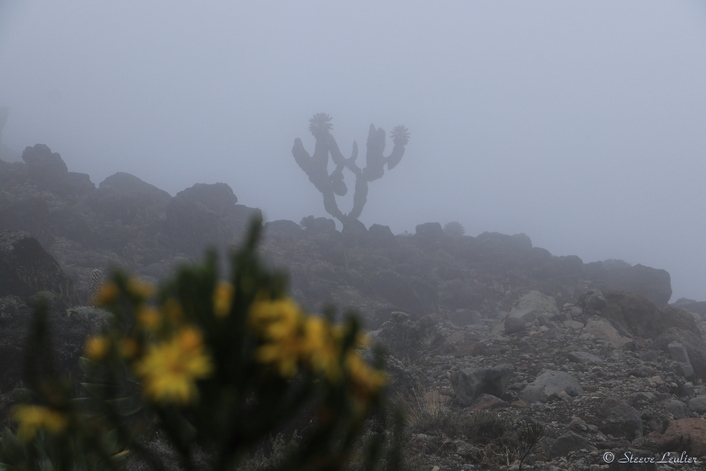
<point>581,124</point>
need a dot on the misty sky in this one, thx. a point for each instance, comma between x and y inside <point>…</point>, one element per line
<point>581,124</point>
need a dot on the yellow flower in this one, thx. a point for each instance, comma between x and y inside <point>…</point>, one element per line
<point>33,418</point>
<point>140,288</point>
<point>222,299</point>
<point>275,319</point>
<point>169,369</point>
<point>366,380</point>
<point>281,325</point>
<point>97,347</point>
<point>321,349</point>
<point>148,317</point>
<point>107,294</point>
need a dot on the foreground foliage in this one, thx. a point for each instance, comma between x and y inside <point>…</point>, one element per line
<point>201,374</point>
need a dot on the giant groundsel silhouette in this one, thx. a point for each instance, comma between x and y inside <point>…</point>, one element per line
<point>332,184</point>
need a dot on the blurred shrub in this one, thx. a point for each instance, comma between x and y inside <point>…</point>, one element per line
<point>200,374</point>
<point>454,229</point>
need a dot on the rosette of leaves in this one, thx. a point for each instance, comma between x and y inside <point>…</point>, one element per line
<point>454,229</point>
<point>213,366</point>
<point>400,135</point>
<point>320,124</point>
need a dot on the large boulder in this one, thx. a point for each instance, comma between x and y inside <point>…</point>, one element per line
<point>469,384</point>
<point>26,268</point>
<point>551,385</point>
<point>619,419</point>
<point>429,231</point>
<point>685,435</point>
<point>45,167</point>
<point>217,197</point>
<point>533,305</point>
<point>639,316</point>
<point>653,284</point>
<point>693,343</point>
<point>206,214</point>
<point>127,198</point>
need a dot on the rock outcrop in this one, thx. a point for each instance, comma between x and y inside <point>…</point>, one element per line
<point>26,269</point>
<point>488,323</point>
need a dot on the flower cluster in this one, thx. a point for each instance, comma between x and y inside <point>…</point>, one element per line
<point>167,355</point>
<point>33,418</point>
<point>211,364</point>
<point>291,338</point>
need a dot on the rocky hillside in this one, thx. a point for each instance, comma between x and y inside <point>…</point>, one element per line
<point>490,323</point>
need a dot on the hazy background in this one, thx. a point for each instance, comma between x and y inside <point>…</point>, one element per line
<point>581,124</point>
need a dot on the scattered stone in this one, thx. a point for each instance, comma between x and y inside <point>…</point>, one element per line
<point>533,305</point>
<point>620,420</point>
<point>602,329</point>
<point>488,402</point>
<point>685,435</point>
<point>677,408</point>
<point>697,404</point>
<point>584,358</point>
<point>469,384</point>
<point>549,384</point>
<point>26,268</point>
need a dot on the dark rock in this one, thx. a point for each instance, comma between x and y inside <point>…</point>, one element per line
<point>593,299</point>
<point>533,305</point>
<point>691,340</point>
<point>634,315</point>
<point>584,358</point>
<point>698,307</point>
<point>26,268</point>
<point>318,225</point>
<point>128,199</point>
<point>45,167</point>
<point>381,235</point>
<point>199,217</point>
<point>681,356</point>
<point>488,402</point>
<point>619,419</point>
<point>677,408</point>
<point>124,184</point>
<point>216,197</point>
<point>469,384</point>
<point>698,404</point>
<point>79,184</point>
<point>283,228</point>
<point>514,325</point>
<point>517,241</point>
<point>650,283</point>
<point>429,231</point>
